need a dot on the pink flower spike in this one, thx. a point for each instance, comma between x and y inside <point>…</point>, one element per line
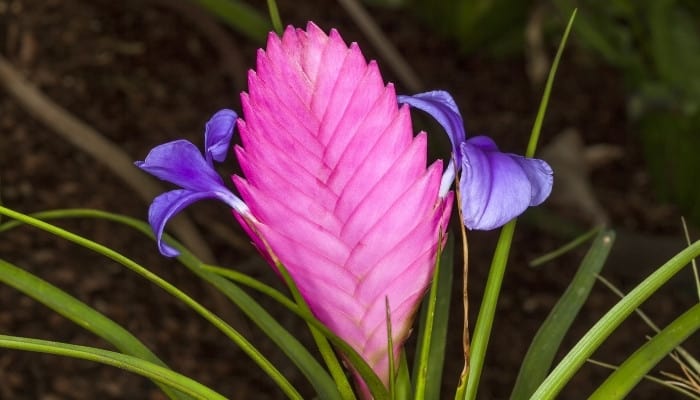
<point>338,188</point>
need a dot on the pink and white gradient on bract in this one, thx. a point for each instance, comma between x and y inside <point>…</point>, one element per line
<point>338,187</point>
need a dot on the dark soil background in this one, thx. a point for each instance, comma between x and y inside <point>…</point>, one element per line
<point>146,72</point>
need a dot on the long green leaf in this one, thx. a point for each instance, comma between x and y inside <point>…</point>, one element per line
<point>427,372</point>
<point>390,351</point>
<point>487,312</point>
<point>544,346</point>
<point>577,356</point>
<point>468,387</point>
<point>82,314</point>
<point>255,284</point>
<point>275,16</point>
<point>318,377</point>
<point>354,358</point>
<point>404,390</point>
<point>626,377</point>
<point>240,17</point>
<point>683,354</point>
<point>667,383</point>
<point>129,363</point>
<point>220,324</point>
<point>565,248</point>
<point>539,119</point>
<point>298,354</point>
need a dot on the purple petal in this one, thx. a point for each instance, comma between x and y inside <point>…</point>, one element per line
<point>218,134</point>
<point>497,187</point>
<point>540,175</point>
<point>181,163</point>
<point>165,207</point>
<point>441,106</point>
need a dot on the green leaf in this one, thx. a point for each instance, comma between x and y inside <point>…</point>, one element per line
<point>318,377</point>
<point>482,330</point>
<point>240,17</point>
<point>544,102</point>
<point>217,322</point>
<point>626,377</point>
<point>544,346</point>
<point>129,363</point>
<point>80,313</point>
<point>599,27</point>
<point>275,16</point>
<point>565,248</point>
<point>298,354</point>
<point>467,388</point>
<point>669,383</point>
<point>432,333</point>
<point>255,284</point>
<point>390,351</point>
<point>578,355</point>
<point>404,390</point>
<point>355,359</point>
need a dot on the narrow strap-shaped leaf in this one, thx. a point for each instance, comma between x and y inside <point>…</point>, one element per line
<point>578,355</point>
<point>217,322</point>
<point>669,383</point>
<point>360,365</point>
<point>626,377</point>
<point>482,331</point>
<point>126,362</point>
<point>539,119</point>
<point>318,377</point>
<point>565,248</point>
<point>544,346</point>
<point>404,391</point>
<point>432,334</point>
<point>275,16</point>
<point>692,362</point>
<point>82,314</point>
<point>390,352</point>
<point>298,354</point>
<point>255,284</point>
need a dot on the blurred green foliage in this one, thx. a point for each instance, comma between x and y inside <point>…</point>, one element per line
<point>494,26</point>
<point>656,44</point>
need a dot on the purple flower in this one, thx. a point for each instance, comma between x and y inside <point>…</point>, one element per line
<point>181,163</point>
<point>334,185</point>
<point>495,187</point>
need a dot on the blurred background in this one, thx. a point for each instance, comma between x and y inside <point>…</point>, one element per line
<point>87,85</point>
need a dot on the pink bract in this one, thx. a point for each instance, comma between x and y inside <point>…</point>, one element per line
<point>338,187</point>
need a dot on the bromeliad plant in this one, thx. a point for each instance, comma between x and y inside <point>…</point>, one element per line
<point>337,195</point>
<point>336,189</point>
